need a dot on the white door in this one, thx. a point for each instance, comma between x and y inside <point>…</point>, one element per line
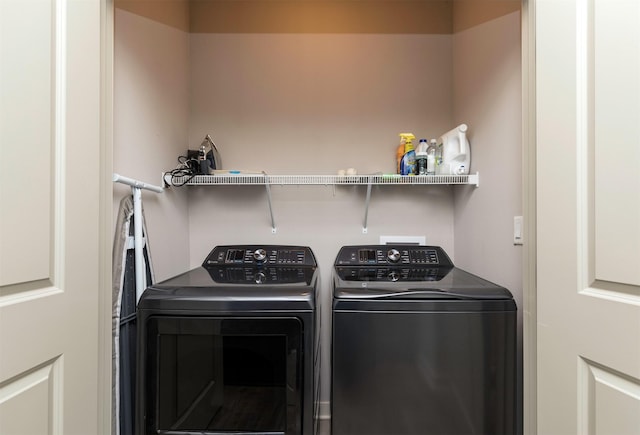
<point>50,53</point>
<point>588,216</point>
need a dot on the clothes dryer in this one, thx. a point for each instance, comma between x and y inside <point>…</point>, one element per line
<point>419,347</point>
<point>231,346</point>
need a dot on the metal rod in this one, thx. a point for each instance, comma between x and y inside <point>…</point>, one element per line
<point>135,183</point>
<point>273,222</point>
<point>137,240</point>
<point>366,208</point>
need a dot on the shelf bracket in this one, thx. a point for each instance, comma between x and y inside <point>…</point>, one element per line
<point>366,207</point>
<point>273,222</point>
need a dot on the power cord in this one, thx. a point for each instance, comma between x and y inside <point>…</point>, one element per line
<point>183,170</point>
<point>190,165</point>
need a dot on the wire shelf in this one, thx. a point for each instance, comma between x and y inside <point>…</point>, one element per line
<point>263,179</point>
<point>221,179</point>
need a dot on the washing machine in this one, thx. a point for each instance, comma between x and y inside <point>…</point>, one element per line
<point>231,346</point>
<point>419,346</point>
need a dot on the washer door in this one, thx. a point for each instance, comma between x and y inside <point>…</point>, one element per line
<point>216,375</point>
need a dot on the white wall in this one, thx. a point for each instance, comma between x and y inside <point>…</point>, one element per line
<point>150,128</point>
<point>487,96</point>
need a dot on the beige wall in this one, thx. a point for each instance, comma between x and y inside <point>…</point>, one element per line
<point>150,128</point>
<point>314,104</point>
<point>318,103</point>
<point>471,13</point>
<point>321,16</point>
<point>174,13</point>
<point>487,95</point>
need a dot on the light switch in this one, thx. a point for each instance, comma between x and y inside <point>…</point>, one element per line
<point>517,230</point>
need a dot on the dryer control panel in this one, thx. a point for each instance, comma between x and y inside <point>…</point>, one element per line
<point>260,255</point>
<point>390,255</point>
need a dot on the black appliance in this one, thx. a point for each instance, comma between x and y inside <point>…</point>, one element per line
<point>231,346</point>
<point>419,346</point>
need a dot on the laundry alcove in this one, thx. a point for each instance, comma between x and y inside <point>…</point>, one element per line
<point>312,87</point>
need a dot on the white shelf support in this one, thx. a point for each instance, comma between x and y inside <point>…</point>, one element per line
<point>366,208</point>
<point>138,241</point>
<point>273,222</point>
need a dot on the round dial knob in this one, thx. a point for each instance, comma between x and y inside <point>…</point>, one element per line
<point>260,278</point>
<point>393,255</point>
<point>393,276</point>
<point>259,254</point>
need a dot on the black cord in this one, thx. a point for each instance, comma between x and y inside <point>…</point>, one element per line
<point>181,172</point>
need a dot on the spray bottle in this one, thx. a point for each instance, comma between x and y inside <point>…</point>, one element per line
<point>408,162</point>
<point>400,151</point>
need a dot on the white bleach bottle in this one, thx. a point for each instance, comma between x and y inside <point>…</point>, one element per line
<point>456,154</point>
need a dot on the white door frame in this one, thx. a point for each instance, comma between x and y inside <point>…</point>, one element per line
<point>529,212</point>
<point>106,220</point>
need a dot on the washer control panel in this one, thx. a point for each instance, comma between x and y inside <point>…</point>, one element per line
<point>261,275</point>
<point>390,255</point>
<point>260,255</point>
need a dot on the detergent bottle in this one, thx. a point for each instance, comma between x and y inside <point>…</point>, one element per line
<point>456,154</point>
<point>408,162</point>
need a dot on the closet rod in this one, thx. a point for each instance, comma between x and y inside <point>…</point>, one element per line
<point>136,191</point>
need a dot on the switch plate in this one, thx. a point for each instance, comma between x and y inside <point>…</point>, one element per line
<point>518,230</point>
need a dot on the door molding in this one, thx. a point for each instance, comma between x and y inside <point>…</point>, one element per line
<point>529,180</point>
<point>106,218</point>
